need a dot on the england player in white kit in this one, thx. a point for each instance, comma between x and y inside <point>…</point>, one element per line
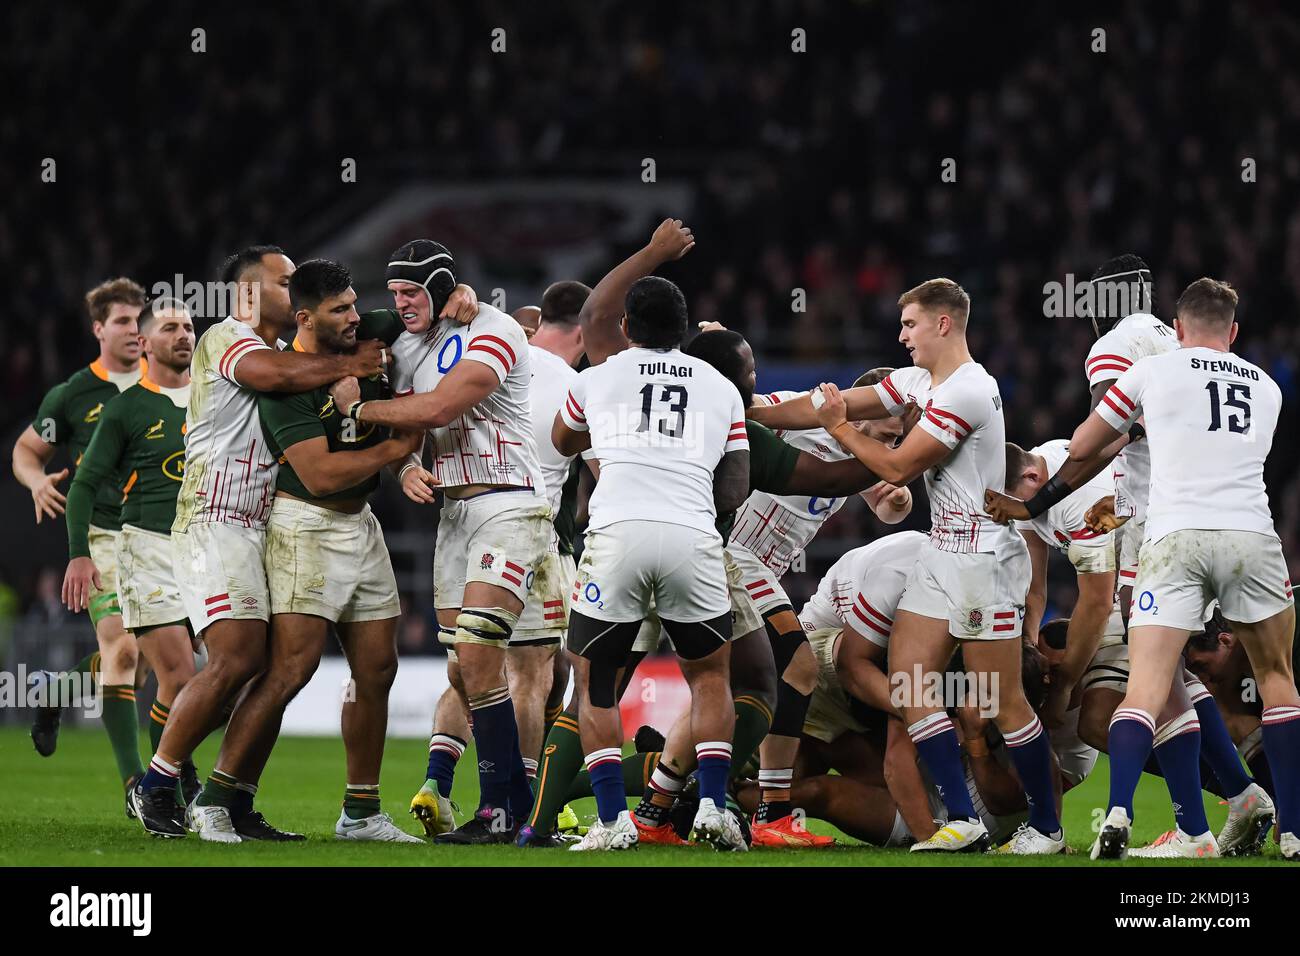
<point>1210,418</point>
<point>468,386</point>
<point>669,433</point>
<point>219,535</point>
<point>971,583</point>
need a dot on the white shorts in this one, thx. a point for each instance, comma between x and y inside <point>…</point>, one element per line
<point>103,551</point>
<point>220,569</point>
<point>981,596</point>
<point>627,566</point>
<point>328,564</point>
<point>830,714</point>
<point>744,615</point>
<point>1108,669</point>
<point>495,538</point>
<point>1183,572</point>
<point>546,613</point>
<point>149,594</point>
<point>763,585</point>
<point>1128,542</point>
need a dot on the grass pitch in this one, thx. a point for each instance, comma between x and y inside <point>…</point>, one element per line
<point>66,810</point>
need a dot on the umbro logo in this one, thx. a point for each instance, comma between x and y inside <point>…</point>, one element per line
<point>486,766</point>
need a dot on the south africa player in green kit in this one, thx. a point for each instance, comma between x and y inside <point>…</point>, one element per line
<point>67,419</point>
<point>141,435</point>
<point>326,561</point>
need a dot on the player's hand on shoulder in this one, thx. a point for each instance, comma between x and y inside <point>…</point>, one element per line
<point>81,576</point>
<point>462,305</point>
<point>831,413</point>
<point>1100,518</point>
<point>671,240</point>
<point>419,484</point>
<point>46,495</point>
<point>369,359</point>
<point>344,392</point>
<point>1004,509</point>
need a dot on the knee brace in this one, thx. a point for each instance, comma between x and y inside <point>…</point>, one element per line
<point>489,626</point>
<point>784,647</point>
<point>791,710</point>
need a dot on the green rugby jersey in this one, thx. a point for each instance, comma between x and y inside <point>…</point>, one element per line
<point>771,463</point>
<point>67,418</point>
<point>141,434</point>
<point>566,519</point>
<point>289,419</point>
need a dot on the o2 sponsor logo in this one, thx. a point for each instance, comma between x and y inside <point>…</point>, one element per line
<point>815,509</point>
<point>591,594</point>
<point>444,363</point>
<point>528,581</point>
<point>1147,602</point>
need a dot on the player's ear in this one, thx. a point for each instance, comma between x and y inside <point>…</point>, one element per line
<point>1178,328</point>
<point>1232,333</point>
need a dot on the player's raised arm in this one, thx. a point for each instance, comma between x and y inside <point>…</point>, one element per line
<point>267,370</point>
<point>602,314</point>
<point>795,413</point>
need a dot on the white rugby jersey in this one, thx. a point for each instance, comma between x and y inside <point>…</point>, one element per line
<point>552,377</point>
<point>1062,524</point>
<point>1210,418</point>
<point>965,413</point>
<point>492,443</point>
<point>229,472</point>
<point>660,422</point>
<point>862,589</point>
<point>1133,337</point>
<point>775,528</point>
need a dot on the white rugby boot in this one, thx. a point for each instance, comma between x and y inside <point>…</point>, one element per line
<point>1177,845</point>
<point>1027,841</point>
<point>1250,817</point>
<point>619,835</point>
<point>956,836</point>
<point>378,828</point>
<point>212,824</point>
<point>717,827</point>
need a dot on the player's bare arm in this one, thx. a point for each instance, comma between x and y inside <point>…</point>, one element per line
<point>898,466</point>
<point>1036,598</point>
<point>324,472</point>
<point>417,482</point>
<point>997,785</point>
<point>30,456</point>
<point>1082,638</point>
<point>267,370</point>
<point>902,773</point>
<point>859,404</point>
<point>602,313</point>
<point>828,479</point>
<point>1074,473</point>
<point>467,384</point>
<point>731,481</point>
<point>462,305</point>
<point>858,669</point>
<point>570,442</point>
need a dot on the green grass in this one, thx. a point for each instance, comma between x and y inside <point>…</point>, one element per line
<point>67,811</point>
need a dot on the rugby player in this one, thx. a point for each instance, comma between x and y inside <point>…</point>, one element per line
<point>141,436</point>
<point>1209,534</point>
<point>218,537</point>
<point>1127,331</point>
<point>970,585</point>
<point>668,431</point>
<point>467,384</point>
<point>535,657</point>
<point>326,561</point>
<point>68,416</point>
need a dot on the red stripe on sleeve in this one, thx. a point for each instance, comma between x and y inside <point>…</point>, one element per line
<point>1115,408</point>
<point>1127,401</point>
<point>959,421</point>
<point>478,347</point>
<point>893,392</point>
<point>499,341</point>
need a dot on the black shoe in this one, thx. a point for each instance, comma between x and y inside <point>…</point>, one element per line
<point>682,814</point>
<point>189,786</point>
<point>648,740</point>
<point>539,841</point>
<point>129,794</point>
<point>482,828</point>
<point>253,826</point>
<point>157,811</point>
<point>45,726</point>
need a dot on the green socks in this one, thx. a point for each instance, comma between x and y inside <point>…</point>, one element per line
<point>361,800</point>
<point>123,726</point>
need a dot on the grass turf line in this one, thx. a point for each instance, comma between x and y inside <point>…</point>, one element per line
<point>66,810</point>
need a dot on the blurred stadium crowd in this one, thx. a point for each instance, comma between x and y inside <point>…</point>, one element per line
<point>817,171</point>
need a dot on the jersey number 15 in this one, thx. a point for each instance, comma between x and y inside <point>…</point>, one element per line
<point>1238,397</point>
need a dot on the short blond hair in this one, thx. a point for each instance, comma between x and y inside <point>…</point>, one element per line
<point>101,299</point>
<point>1208,301</point>
<point>942,294</point>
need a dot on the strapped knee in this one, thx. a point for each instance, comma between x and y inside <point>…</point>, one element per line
<point>488,626</point>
